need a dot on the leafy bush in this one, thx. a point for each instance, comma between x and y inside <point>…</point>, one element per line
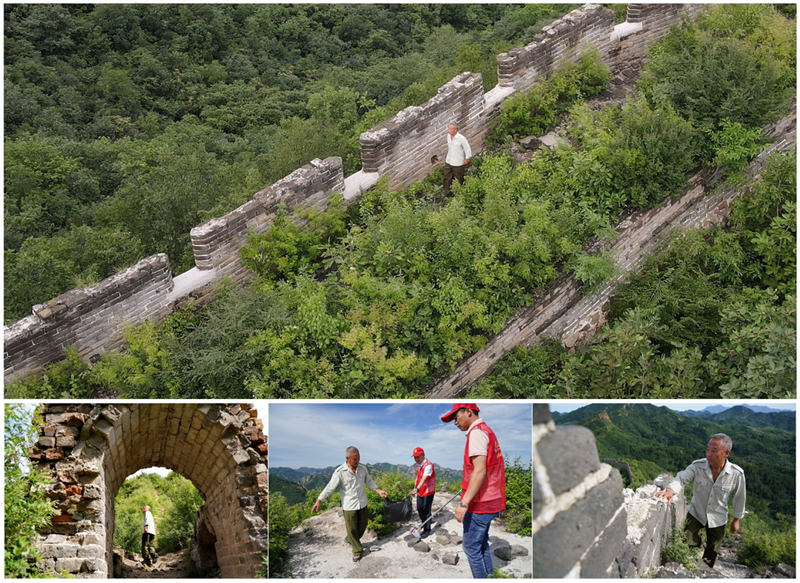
<point>539,110</point>
<point>679,551</point>
<point>27,508</point>
<point>767,543</point>
<point>518,514</point>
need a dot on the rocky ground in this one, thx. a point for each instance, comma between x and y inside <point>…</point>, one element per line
<point>130,566</point>
<point>726,567</point>
<point>317,549</point>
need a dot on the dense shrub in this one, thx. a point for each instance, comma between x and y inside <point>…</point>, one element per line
<point>537,111</point>
<point>766,543</point>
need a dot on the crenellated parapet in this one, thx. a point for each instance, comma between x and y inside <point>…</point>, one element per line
<point>405,148</point>
<point>585,524</point>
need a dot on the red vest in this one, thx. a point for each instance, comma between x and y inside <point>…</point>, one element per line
<point>492,494</point>
<point>429,487</point>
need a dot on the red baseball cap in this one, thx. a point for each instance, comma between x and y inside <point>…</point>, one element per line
<point>417,451</point>
<point>448,417</point>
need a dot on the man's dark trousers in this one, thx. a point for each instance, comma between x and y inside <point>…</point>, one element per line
<point>147,547</point>
<point>714,538</point>
<point>355,523</point>
<point>451,172</point>
<point>424,504</point>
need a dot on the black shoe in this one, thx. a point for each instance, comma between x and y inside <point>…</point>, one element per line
<point>357,558</point>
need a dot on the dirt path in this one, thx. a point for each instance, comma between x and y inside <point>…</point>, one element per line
<point>169,566</point>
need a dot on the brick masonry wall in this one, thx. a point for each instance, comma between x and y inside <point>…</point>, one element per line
<point>585,524</point>
<point>90,318</point>
<point>402,148</point>
<point>565,314</point>
<point>216,242</point>
<point>564,40</point>
<point>90,450</point>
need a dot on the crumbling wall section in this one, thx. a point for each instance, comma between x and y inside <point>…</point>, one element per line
<point>403,147</point>
<point>564,40</point>
<point>585,524</point>
<point>89,451</point>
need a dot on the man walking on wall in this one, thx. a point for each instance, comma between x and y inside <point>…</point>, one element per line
<point>716,480</point>
<point>148,535</point>
<point>351,478</point>
<point>424,487</point>
<point>458,157</point>
<point>484,485</point>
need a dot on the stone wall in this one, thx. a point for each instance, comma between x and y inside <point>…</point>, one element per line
<point>584,523</point>
<point>564,40</point>
<point>402,148</point>
<point>89,450</point>
<point>216,242</point>
<point>91,318</point>
<point>572,318</point>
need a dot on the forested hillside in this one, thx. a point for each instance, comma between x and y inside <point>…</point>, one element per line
<point>380,299</point>
<point>128,124</point>
<point>656,439</point>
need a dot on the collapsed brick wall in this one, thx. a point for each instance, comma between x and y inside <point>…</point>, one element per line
<point>89,450</point>
<point>401,148</point>
<point>567,315</point>
<point>585,524</point>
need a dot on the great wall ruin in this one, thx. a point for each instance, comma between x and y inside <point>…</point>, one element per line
<point>92,319</point>
<point>89,450</point>
<point>585,524</point>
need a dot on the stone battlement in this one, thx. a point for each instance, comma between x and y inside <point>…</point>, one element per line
<point>93,319</point>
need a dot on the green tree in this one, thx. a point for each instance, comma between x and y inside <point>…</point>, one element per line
<point>27,507</point>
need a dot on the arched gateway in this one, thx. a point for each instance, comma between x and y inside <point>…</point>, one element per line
<point>91,449</point>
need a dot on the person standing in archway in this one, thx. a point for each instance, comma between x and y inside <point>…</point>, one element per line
<point>483,483</point>
<point>458,156</point>
<point>148,536</point>
<point>424,488</point>
<point>351,479</point>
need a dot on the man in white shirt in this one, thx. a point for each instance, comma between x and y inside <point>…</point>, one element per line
<point>148,535</point>
<point>458,157</point>
<point>351,478</point>
<point>716,480</point>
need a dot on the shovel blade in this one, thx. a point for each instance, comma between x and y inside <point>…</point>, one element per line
<point>415,532</point>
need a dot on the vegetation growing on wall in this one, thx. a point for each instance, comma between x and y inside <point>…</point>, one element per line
<point>384,298</point>
<point>128,124</point>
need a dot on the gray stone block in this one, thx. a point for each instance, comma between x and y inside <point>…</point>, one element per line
<point>570,453</point>
<point>450,558</point>
<point>600,558</point>
<point>559,546</point>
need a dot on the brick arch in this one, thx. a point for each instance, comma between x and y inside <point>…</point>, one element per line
<point>91,449</point>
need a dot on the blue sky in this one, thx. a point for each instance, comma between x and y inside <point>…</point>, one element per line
<point>316,435</point>
<point>686,405</point>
